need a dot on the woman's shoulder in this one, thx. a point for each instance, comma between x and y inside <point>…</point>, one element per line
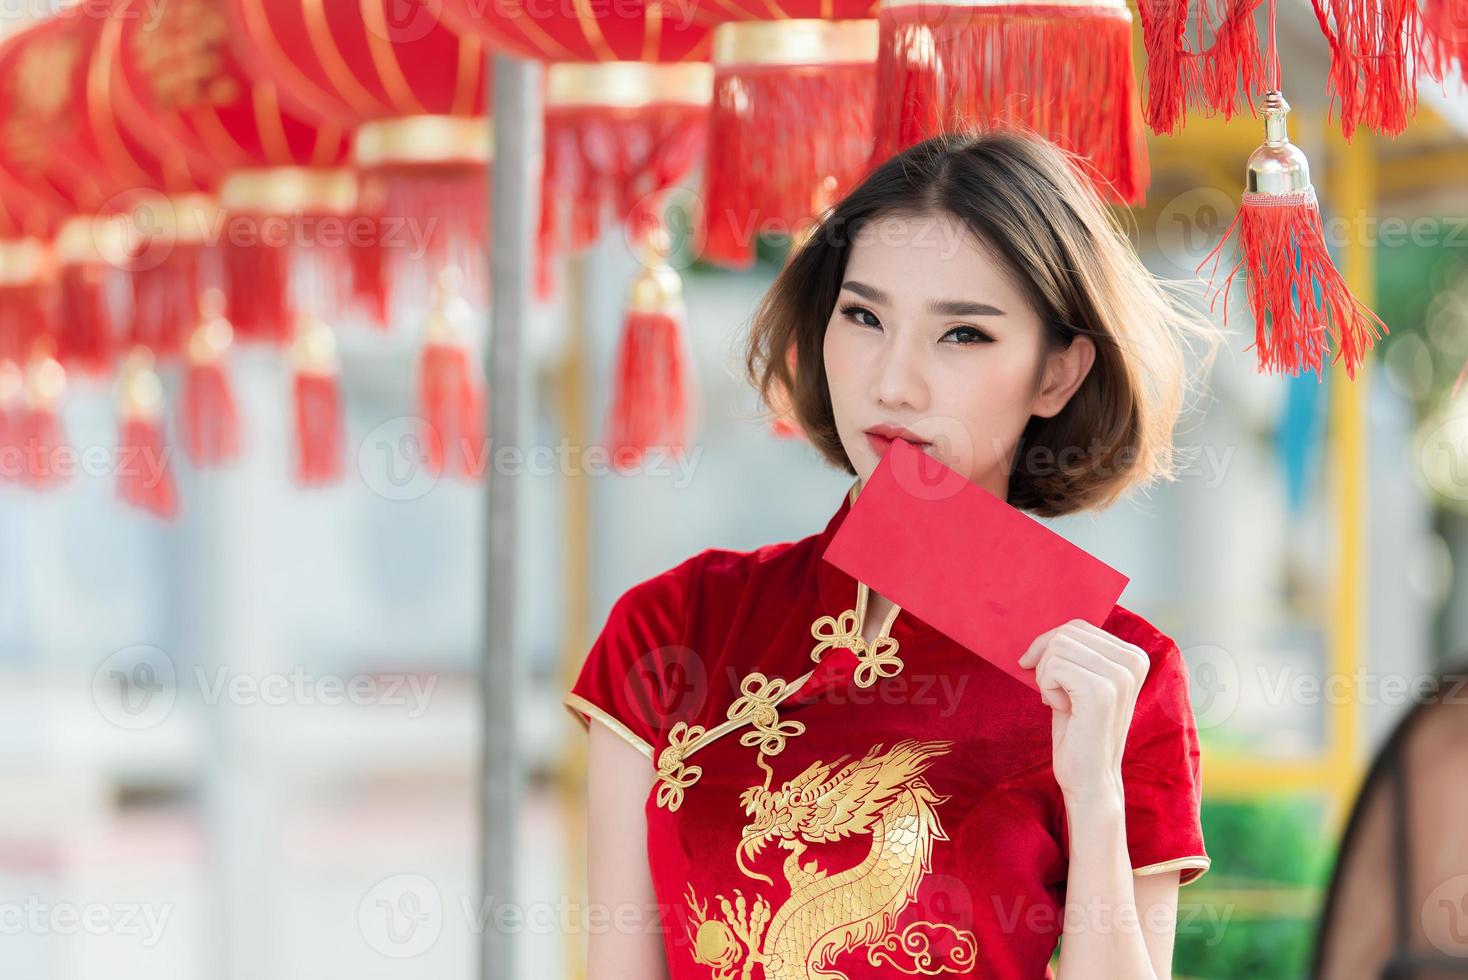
<point>1132,627</point>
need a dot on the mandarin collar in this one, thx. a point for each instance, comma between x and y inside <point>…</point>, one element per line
<point>838,589</point>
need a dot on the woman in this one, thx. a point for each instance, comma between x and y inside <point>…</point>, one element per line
<point>790,776</point>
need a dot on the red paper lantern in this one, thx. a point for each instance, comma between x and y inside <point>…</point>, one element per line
<point>283,178</point>
<point>1062,69</point>
<point>289,196</point>
<point>790,130</point>
<point>620,126</point>
<point>648,32</point>
<point>617,136</point>
<point>414,92</point>
<point>31,380</point>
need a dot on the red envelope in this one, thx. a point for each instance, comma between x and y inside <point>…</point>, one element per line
<point>972,566</point>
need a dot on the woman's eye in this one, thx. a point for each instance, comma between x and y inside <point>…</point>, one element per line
<point>969,335</point>
<point>855,313</point>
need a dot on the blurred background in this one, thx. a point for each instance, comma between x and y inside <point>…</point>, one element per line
<point>247,580</point>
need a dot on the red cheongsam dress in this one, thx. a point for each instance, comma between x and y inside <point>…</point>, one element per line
<point>828,808</point>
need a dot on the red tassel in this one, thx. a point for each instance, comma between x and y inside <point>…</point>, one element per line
<point>257,273</point>
<point>600,157</point>
<point>1299,300</point>
<point>652,387</point>
<point>319,441</point>
<point>451,399</point>
<point>165,298</point>
<point>451,389</point>
<point>785,142</point>
<point>318,429</point>
<point>1062,71</point>
<point>25,316</point>
<point>1374,52</point>
<point>12,405</point>
<point>85,331</point>
<point>368,267</point>
<point>427,216</point>
<point>1444,49</point>
<point>40,435</point>
<point>144,476</point>
<point>210,420</point>
<point>1182,72</point>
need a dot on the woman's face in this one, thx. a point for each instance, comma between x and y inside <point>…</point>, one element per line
<point>931,341</point>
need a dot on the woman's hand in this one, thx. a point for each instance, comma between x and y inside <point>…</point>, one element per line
<point>1090,680</point>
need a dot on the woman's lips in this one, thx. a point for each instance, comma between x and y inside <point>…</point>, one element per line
<point>881,443</point>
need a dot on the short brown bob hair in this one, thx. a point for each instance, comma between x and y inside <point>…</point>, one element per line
<point>1031,205</point>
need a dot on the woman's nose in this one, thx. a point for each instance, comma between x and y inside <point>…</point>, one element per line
<point>899,379</point>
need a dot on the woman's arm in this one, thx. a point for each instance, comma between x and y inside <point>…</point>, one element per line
<point>1090,679</point>
<point>1117,924</point>
<point>626,941</point>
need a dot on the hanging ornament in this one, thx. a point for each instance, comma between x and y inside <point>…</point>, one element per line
<point>1204,57</point>
<point>166,267</point>
<point>424,195</point>
<point>41,436</point>
<point>789,129</point>
<point>653,384</point>
<point>617,135</point>
<point>177,74</point>
<point>271,253</point>
<point>316,386</point>
<point>451,387</point>
<point>210,420</point>
<point>23,320</point>
<point>12,409</point>
<point>635,30</point>
<point>92,252</point>
<point>1299,300</point>
<point>1059,69</point>
<point>1444,48</point>
<point>415,92</point>
<point>144,476</point>
<point>1374,53</point>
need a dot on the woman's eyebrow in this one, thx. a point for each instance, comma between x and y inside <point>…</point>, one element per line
<point>943,307</point>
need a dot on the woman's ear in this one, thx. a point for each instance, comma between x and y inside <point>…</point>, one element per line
<point>1065,369</point>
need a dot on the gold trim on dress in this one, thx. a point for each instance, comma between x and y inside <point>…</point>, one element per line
<point>583,711</point>
<point>757,705</point>
<point>874,660</point>
<point>1177,864</point>
<point>673,775</point>
<point>760,697</point>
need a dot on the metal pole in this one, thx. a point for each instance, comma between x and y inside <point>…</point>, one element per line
<point>514,203</point>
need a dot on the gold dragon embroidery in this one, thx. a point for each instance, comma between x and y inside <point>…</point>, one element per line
<point>883,794</point>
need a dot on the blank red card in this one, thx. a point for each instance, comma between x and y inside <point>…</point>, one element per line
<point>972,566</point>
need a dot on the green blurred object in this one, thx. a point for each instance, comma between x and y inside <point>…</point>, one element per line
<point>1254,914</point>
